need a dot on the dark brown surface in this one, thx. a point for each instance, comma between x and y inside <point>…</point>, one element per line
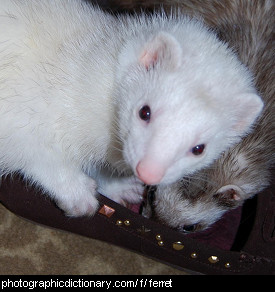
<point>140,235</point>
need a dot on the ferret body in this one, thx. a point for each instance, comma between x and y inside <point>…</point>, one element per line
<point>197,201</point>
<point>89,102</point>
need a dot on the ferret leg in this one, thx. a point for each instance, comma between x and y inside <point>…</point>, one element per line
<point>122,189</point>
<point>73,191</point>
<point>77,198</point>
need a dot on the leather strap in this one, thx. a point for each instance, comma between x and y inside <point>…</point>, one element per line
<point>127,229</point>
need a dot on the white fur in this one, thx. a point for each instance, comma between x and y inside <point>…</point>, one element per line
<point>200,95</point>
<point>72,80</point>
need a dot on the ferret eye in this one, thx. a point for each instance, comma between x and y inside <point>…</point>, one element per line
<point>189,228</point>
<point>145,113</point>
<point>198,150</point>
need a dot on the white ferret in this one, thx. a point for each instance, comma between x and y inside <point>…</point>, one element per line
<point>88,102</point>
<point>195,202</point>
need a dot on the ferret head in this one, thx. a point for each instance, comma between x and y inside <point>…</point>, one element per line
<point>181,101</point>
<point>176,207</point>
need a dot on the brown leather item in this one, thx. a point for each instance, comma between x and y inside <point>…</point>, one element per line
<point>118,225</point>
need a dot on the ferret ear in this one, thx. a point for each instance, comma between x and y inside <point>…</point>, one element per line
<point>163,49</point>
<point>229,196</point>
<point>249,107</point>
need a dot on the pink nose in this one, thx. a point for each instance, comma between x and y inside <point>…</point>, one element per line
<point>149,173</point>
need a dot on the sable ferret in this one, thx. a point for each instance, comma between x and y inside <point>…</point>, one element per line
<point>90,102</point>
<point>197,201</point>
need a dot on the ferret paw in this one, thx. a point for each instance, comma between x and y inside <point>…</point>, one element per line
<point>122,190</point>
<point>80,203</point>
<point>79,208</point>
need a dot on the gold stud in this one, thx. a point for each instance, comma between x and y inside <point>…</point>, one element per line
<point>158,237</point>
<point>194,255</point>
<point>213,259</point>
<point>178,245</point>
<point>119,222</point>
<point>160,243</point>
<point>127,222</point>
<point>227,265</point>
